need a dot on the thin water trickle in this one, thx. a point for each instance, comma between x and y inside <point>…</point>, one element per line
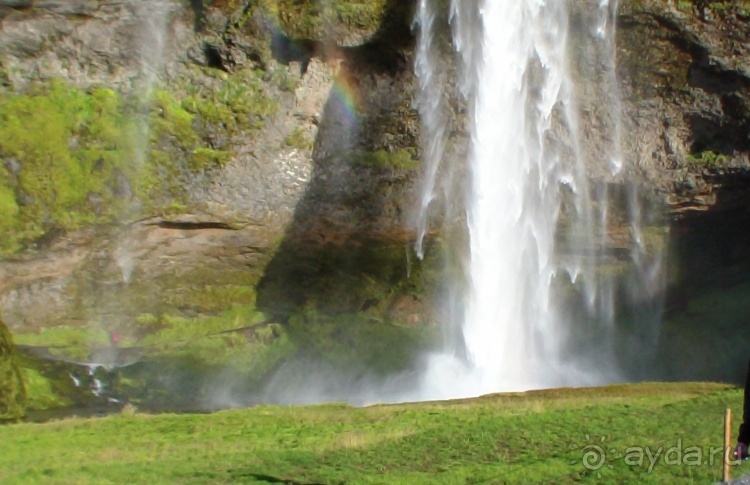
<point>152,36</point>
<point>97,388</point>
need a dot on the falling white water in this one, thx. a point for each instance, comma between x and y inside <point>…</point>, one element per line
<point>431,101</point>
<point>646,281</point>
<point>499,232</point>
<point>92,381</point>
<point>524,156</point>
<point>607,32</point>
<point>152,38</point>
<point>96,384</point>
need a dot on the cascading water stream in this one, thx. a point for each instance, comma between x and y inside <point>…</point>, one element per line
<point>525,160</point>
<point>433,112</point>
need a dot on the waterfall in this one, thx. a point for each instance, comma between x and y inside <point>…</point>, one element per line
<point>152,37</point>
<point>533,217</point>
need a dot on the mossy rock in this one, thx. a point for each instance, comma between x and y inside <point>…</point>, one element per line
<point>296,30</point>
<point>12,389</point>
<point>74,157</point>
<point>363,275</point>
<point>308,19</point>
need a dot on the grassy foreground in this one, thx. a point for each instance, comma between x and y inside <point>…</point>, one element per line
<point>645,433</point>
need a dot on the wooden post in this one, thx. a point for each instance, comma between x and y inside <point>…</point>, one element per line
<point>726,477</point>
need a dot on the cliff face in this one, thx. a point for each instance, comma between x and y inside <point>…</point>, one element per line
<point>686,84</point>
<point>263,146</point>
<point>203,133</point>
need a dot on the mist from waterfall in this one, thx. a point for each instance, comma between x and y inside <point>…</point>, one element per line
<point>534,310</point>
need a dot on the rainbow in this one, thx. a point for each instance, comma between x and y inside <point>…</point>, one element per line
<point>345,93</point>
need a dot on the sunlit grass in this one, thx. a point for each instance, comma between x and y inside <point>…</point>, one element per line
<point>536,437</point>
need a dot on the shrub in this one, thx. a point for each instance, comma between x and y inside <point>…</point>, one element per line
<point>706,158</point>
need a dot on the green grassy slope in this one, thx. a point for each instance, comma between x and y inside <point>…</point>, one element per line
<point>536,437</point>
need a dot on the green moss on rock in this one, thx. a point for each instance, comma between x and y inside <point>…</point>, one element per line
<point>356,342</point>
<point>12,389</point>
<point>234,102</point>
<point>365,275</point>
<point>73,157</point>
<point>402,159</point>
<point>64,151</point>
<point>43,392</point>
<point>309,26</point>
<point>312,19</point>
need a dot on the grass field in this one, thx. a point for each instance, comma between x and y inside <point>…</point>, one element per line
<point>644,433</point>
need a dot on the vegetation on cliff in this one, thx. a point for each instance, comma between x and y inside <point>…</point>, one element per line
<point>313,19</point>
<point>12,389</point>
<point>310,19</point>
<point>75,157</point>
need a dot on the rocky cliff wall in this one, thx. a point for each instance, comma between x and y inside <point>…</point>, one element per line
<point>254,114</point>
<point>686,87</point>
<point>276,135</point>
